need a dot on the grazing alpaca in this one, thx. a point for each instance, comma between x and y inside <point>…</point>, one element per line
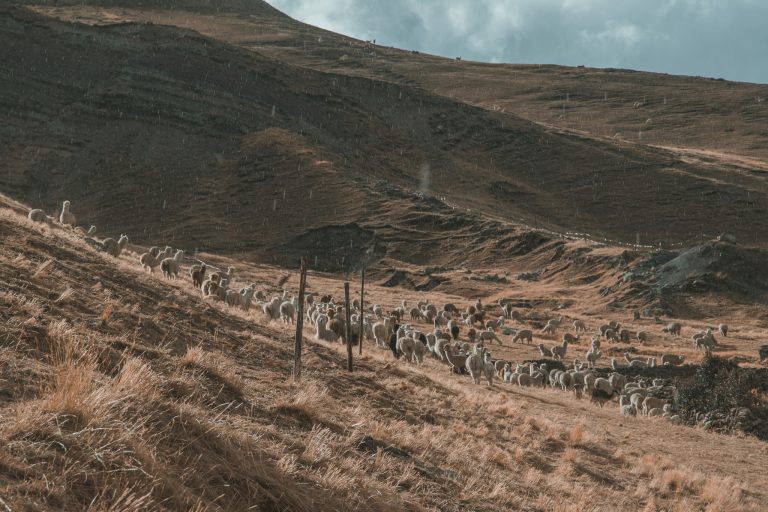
<point>40,216</point>
<point>114,247</point>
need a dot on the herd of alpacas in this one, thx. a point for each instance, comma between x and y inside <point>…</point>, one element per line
<point>391,331</point>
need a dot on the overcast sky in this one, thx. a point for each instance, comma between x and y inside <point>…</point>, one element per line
<point>714,38</point>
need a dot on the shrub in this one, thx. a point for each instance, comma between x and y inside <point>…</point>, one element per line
<point>721,391</point>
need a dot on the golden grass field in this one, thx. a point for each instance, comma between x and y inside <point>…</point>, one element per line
<point>124,391</point>
<point>249,139</point>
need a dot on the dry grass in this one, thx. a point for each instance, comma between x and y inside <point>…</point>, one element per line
<point>215,366</point>
<point>683,484</point>
<point>65,295</point>
<point>172,405</point>
<point>576,434</point>
<point>106,313</point>
<point>570,455</point>
<point>43,269</point>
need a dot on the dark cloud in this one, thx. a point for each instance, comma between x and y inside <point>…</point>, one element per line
<point>711,38</point>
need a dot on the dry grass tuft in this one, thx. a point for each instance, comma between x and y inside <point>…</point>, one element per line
<point>569,455</point>
<point>722,494</point>
<point>688,489</point>
<point>43,269</point>
<point>576,434</point>
<point>676,481</point>
<point>215,367</point>
<point>65,295</point>
<point>106,313</point>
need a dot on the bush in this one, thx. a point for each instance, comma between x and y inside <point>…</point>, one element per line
<point>723,395</point>
<point>717,386</point>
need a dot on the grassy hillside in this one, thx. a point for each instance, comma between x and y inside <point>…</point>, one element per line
<point>123,391</point>
<point>248,139</point>
<point>225,140</point>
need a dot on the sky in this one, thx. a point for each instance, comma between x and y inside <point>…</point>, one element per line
<point>713,38</point>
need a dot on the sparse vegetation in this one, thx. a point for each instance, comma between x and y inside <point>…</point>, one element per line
<point>725,397</point>
<point>151,411</point>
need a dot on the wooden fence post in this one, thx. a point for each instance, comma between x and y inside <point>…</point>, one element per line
<point>347,326</point>
<point>299,323</point>
<point>362,316</point>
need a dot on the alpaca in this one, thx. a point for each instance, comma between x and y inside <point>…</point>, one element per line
<point>82,232</point>
<point>67,218</point>
<point>227,275</point>
<point>197,273</point>
<point>114,247</point>
<point>288,312</point>
<point>475,363</point>
<point>39,216</point>
<point>170,266</point>
<point>149,261</point>
<point>210,286</point>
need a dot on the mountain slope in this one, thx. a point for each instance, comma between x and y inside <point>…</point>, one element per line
<point>173,116</point>
<point>124,391</point>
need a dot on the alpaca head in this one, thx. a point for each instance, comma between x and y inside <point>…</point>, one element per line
<point>179,254</point>
<point>123,241</point>
<point>65,206</point>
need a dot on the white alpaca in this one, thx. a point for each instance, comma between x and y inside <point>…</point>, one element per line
<point>227,275</point>
<point>475,363</point>
<point>149,261</point>
<point>272,309</point>
<point>66,217</point>
<point>288,312</point>
<point>39,216</point>
<point>170,266</point>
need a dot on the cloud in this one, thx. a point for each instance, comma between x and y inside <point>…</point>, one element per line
<point>694,37</point>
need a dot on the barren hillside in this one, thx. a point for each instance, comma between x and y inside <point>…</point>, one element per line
<point>247,121</point>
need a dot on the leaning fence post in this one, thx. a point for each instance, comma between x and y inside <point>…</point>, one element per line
<point>299,323</point>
